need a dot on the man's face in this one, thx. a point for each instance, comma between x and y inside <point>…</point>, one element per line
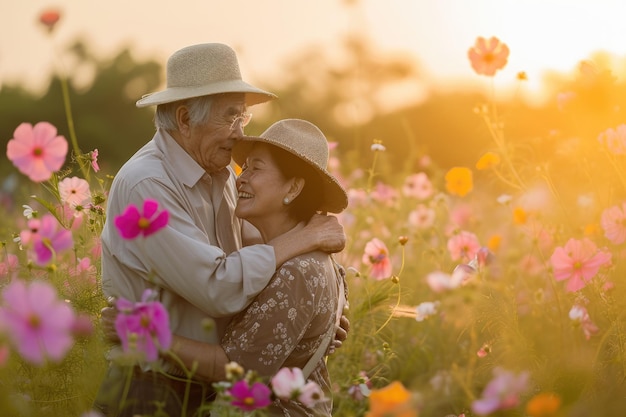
<point>211,143</point>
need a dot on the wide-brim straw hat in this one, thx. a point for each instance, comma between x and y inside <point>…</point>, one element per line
<point>307,142</point>
<point>201,70</point>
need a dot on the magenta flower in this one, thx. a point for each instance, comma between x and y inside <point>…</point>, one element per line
<point>463,246</point>
<point>613,222</point>
<point>37,151</point>
<point>250,397</point>
<point>418,186</point>
<point>38,323</point>
<point>376,256</point>
<point>578,262</point>
<point>50,239</point>
<point>74,191</point>
<point>132,223</point>
<point>502,392</point>
<point>143,326</point>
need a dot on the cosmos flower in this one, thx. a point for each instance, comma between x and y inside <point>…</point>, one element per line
<point>250,397</point>
<point>578,262</point>
<point>132,223</point>
<point>74,191</point>
<point>38,323</point>
<point>37,151</point>
<point>376,256</point>
<point>488,56</point>
<point>459,181</point>
<point>502,392</point>
<point>145,324</point>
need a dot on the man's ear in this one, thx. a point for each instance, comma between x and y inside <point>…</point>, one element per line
<point>182,120</point>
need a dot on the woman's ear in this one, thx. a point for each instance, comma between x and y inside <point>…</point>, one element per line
<point>182,120</point>
<point>297,184</point>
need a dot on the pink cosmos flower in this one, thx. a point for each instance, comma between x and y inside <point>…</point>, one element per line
<point>146,323</point>
<point>132,223</point>
<point>488,55</point>
<point>502,392</point>
<point>8,268</point>
<point>578,262</point>
<point>74,191</point>
<point>418,186</point>
<point>250,397</point>
<point>463,246</point>
<point>37,151</point>
<point>94,160</point>
<point>376,255</point>
<point>288,384</point>
<point>385,194</point>
<point>49,19</point>
<point>51,238</point>
<point>579,315</point>
<point>614,139</point>
<point>39,324</point>
<point>422,217</point>
<point>361,387</point>
<point>439,281</point>
<point>613,222</point>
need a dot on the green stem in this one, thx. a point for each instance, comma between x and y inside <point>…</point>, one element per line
<point>70,124</point>
<point>398,298</point>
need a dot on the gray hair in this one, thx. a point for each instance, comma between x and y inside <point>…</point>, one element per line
<point>198,107</point>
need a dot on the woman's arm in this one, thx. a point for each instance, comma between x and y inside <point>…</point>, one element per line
<point>209,360</point>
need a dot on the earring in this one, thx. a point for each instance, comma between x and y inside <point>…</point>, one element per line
<point>285,200</point>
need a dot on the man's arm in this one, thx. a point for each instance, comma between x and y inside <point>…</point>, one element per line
<point>322,232</point>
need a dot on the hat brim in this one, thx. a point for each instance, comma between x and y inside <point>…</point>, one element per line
<point>253,94</point>
<point>335,197</point>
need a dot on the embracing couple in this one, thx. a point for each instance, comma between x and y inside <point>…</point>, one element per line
<point>252,253</point>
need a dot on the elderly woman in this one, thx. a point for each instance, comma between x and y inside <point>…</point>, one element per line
<point>284,181</point>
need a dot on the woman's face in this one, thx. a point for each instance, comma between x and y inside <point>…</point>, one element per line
<point>262,188</point>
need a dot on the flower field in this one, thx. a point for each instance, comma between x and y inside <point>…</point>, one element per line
<point>495,289</point>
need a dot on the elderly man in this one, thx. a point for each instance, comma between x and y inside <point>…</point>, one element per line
<point>201,264</point>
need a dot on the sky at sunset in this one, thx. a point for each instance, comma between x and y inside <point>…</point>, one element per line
<point>541,34</point>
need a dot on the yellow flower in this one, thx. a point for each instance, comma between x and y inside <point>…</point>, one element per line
<point>494,242</point>
<point>459,181</point>
<point>394,400</point>
<point>519,216</point>
<point>544,404</point>
<point>487,161</point>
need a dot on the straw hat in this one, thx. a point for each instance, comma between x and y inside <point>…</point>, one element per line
<point>306,141</point>
<point>202,70</point>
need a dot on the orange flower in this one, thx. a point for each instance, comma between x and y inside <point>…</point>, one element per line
<point>544,404</point>
<point>494,242</point>
<point>488,160</point>
<point>519,216</point>
<point>394,400</point>
<point>49,18</point>
<point>488,55</point>
<point>459,181</point>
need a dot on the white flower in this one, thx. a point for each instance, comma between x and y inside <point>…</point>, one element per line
<point>425,310</point>
<point>28,211</point>
<point>504,199</point>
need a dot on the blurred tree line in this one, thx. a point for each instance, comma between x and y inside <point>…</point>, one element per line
<point>345,97</point>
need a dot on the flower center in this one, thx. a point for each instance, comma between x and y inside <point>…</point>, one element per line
<point>248,401</point>
<point>37,152</point>
<point>143,223</point>
<point>34,321</point>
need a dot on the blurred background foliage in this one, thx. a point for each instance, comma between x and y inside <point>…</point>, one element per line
<point>349,98</point>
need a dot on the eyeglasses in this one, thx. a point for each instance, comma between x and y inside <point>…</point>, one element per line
<point>242,119</point>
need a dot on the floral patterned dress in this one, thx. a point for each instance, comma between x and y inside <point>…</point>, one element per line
<point>286,323</point>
